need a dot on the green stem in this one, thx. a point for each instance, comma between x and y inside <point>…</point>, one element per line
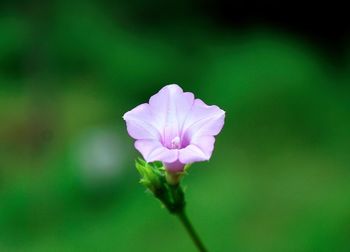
<point>190,230</point>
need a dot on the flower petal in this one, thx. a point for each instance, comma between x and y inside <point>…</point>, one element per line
<point>153,150</point>
<point>170,107</point>
<point>205,144</point>
<point>203,120</point>
<point>192,153</point>
<point>140,123</point>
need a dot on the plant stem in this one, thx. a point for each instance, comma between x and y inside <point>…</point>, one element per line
<point>190,230</point>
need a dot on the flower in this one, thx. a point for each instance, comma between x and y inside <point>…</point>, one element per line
<point>174,128</point>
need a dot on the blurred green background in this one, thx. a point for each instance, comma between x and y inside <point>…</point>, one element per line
<point>279,178</point>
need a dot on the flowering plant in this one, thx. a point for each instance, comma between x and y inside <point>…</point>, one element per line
<point>172,131</point>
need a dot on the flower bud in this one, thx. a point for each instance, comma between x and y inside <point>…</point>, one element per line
<point>167,189</point>
<point>150,177</point>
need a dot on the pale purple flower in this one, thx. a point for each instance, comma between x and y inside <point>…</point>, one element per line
<point>174,128</point>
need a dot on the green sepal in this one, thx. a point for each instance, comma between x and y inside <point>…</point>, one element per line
<point>153,177</point>
<point>150,175</point>
<point>187,167</point>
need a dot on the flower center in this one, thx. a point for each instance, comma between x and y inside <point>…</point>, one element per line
<point>175,143</point>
